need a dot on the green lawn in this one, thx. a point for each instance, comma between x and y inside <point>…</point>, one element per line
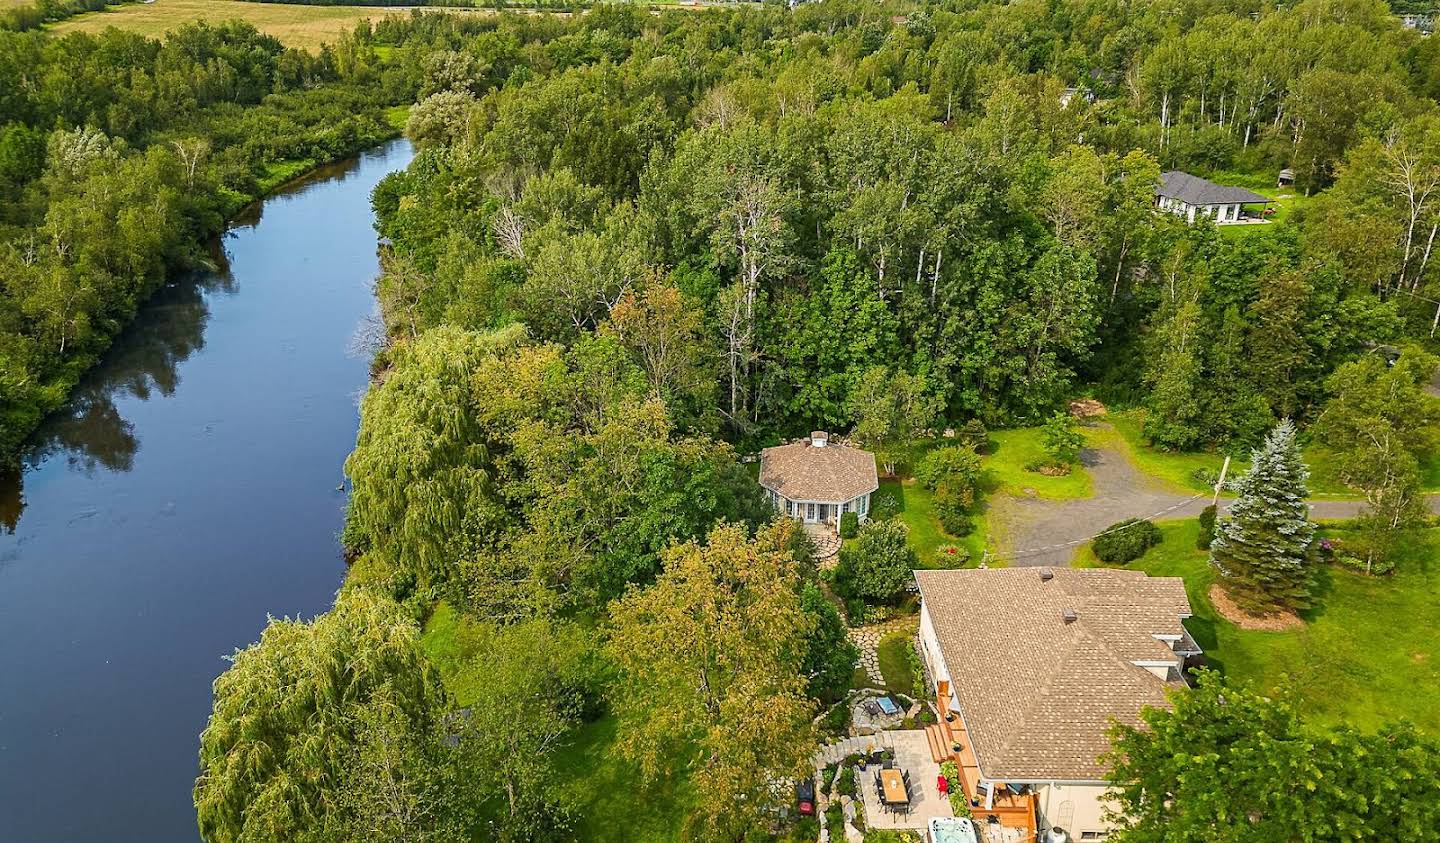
<point>1367,654</point>
<point>611,800</point>
<point>895,663</point>
<point>1287,199</point>
<point>1176,469</point>
<point>1009,452</point>
<point>1172,468</point>
<point>926,534</point>
<point>1006,473</point>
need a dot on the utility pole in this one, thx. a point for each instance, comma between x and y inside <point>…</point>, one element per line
<point>1220,484</point>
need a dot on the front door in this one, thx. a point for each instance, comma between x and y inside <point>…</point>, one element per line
<point>810,513</point>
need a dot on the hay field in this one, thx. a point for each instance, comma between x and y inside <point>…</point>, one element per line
<point>305,27</point>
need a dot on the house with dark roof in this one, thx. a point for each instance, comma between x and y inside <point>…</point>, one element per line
<point>816,480</point>
<point>1031,666</point>
<point>1191,196</point>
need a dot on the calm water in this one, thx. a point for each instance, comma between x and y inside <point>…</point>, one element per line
<point>187,492</point>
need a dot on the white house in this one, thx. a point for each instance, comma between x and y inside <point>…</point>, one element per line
<point>1031,665</point>
<point>816,480</point>
<point>1191,196</point>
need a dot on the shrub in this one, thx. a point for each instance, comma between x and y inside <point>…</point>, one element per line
<point>836,721</point>
<point>1207,528</point>
<point>1126,541</point>
<point>959,805</point>
<point>917,671</point>
<point>1378,567</point>
<point>875,566</point>
<point>954,519</point>
<point>956,466</point>
<point>835,821</point>
<point>849,525</point>
<point>846,786</point>
<point>884,507</point>
<point>1205,476</point>
<point>951,556</point>
<point>974,434</point>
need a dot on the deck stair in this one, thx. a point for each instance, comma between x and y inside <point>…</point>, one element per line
<point>939,749</point>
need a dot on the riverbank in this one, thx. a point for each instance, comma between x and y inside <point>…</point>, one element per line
<point>182,495</point>
<point>20,423</point>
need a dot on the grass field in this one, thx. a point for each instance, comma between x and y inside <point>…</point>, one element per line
<point>1363,657</point>
<point>304,27</point>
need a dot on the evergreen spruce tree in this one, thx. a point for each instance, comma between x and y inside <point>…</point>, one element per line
<point>1262,549</point>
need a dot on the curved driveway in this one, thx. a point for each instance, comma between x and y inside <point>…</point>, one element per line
<point>1044,532</point>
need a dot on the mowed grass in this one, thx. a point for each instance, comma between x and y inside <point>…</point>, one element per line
<point>892,653</point>
<point>1367,655</point>
<point>611,800</point>
<point>1177,469</point>
<point>303,27</point>
<point>917,511</point>
<point>1004,463</point>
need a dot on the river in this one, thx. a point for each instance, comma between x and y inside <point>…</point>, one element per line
<point>189,489</point>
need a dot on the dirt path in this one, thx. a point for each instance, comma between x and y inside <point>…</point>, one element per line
<point>1045,532</point>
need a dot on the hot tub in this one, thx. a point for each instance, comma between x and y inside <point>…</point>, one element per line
<point>952,830</point>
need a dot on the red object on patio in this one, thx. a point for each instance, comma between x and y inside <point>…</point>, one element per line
<point>942,784</point>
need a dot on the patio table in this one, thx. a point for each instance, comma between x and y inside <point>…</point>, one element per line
<point>892,787</point>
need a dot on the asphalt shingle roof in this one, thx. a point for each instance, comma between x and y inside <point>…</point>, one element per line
<point>1038,693</point>
<point>831,474</point>
<point>1193,190</point>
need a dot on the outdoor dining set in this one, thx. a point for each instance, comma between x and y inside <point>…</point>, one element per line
<point>892,784</point>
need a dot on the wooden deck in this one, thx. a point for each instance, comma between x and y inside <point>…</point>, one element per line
<point>1012,811</point>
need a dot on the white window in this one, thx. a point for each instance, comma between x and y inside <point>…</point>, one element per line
<point>1094,835</point>
<point>810,511</point>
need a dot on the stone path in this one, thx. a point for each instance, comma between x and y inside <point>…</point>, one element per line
<point>827,544</point>
<point>1045,532</point>
<point>867,638</point>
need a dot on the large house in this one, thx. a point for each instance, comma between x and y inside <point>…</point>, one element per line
<point>1191,196</point>
<point>815,480</point>
<point>1031,666</point>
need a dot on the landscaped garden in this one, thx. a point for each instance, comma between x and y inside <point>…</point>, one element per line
<point>1366,649</point>
<point>1008,462</point>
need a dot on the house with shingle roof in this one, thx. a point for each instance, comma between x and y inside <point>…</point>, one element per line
<point>1191,196</point>
<point>1031,667</point>
<point>816,480</point>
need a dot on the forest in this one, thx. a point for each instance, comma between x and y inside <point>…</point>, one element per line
<point>635,247</point>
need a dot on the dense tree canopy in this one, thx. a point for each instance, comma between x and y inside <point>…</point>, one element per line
<point>1227,764</point>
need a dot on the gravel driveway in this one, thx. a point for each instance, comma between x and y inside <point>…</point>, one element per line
<point>1045,532</point>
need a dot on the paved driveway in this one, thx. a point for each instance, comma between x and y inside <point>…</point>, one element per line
<point>1043,532</point>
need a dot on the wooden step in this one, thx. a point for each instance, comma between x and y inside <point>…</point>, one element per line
<point>935,736</point>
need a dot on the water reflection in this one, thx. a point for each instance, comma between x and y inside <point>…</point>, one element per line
<point>89,432</point>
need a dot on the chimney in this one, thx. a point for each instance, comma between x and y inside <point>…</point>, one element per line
<point>1069,616</point>
<point>818,438</point>
<point>1046,575</point>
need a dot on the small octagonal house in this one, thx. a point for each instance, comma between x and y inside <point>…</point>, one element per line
<point>815,480</point>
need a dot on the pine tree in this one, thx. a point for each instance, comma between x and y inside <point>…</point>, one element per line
<point>1262,550</point>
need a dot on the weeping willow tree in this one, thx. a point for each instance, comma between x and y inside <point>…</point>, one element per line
<point>290,716</point>
<point>423,468</point>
